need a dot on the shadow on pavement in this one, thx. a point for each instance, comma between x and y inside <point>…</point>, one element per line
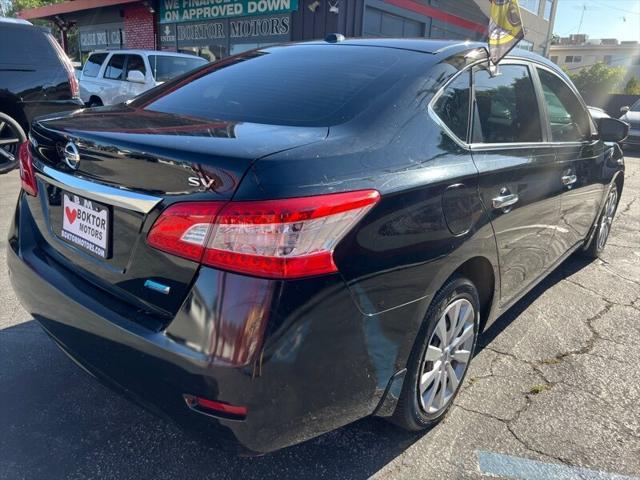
<point>56,422</point>
<point>573,264</point>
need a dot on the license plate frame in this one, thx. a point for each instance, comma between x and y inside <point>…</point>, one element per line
<point>86,225</point>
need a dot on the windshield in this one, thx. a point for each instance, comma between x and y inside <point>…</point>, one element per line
<point>305,85</point>
<point>635,107</point>
<point>166,67</point>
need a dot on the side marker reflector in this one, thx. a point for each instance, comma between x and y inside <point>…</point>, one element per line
<point>212,407</point>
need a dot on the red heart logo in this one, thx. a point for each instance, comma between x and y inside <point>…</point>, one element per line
<point>71,214</point>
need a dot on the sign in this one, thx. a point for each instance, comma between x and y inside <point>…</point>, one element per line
<point>178,11</point>
<point>271,29</point>
<point>505,28</point>
<point>94,37</point>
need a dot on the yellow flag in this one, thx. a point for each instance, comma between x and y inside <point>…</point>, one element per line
<point>505,28</point>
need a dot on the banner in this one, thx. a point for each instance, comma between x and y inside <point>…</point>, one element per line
<point>177,11</point>
<point>505,28</point>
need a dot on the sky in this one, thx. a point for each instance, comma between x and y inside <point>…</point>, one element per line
<point>602,18</point>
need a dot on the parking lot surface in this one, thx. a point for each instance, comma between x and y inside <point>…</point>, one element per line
<point>553,392</point>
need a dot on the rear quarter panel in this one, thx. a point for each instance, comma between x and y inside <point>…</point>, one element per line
<point>403,251</point>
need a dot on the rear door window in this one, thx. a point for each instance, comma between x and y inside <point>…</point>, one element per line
<point>166,67</point>
<point>452,107</point>
<point>93,64</point>
<point>115,68</point>
<point>25,45</point>
<point>568,119</point>
<point>302,85</point>
<point>506,107</point>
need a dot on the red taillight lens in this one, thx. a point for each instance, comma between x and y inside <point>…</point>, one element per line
<point>71,74</point>
<point>216,408</point>
<point>183,228</point>
<point>73,83</point>
<point>27,174</point>
<point>287,238</point>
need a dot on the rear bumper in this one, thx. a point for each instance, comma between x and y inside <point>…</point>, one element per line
<point>322,363</point>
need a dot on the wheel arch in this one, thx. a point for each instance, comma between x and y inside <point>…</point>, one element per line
<point>95,97</point>
<point>480,272</point>
<point>10,105</point>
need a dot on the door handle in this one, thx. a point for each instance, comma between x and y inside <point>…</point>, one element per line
<point>504,201</point>
<point>569,180</point>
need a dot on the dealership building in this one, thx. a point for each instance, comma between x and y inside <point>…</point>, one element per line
<point>218,28</point>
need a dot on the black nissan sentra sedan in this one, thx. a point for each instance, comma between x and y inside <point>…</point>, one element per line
<point>291,239</point>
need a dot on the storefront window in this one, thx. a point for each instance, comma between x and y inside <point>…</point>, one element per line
<point>243,47</point>
<point>211,53</point>
<point>217,39</point>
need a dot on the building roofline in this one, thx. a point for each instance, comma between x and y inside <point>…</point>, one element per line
<point>68,7</point>
<point>596,47</point>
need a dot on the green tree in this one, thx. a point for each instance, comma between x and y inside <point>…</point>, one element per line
<point>597,81</point>
<point>18,5</point>
<point>633,86</point>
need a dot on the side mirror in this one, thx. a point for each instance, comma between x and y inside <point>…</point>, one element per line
<point>136,76</point>
<point>612,130</point>
<point>625,109</point>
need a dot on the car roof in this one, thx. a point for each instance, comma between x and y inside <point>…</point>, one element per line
<point>416,44</point>
<point>442,48</point>
<point>17,21</point>
<point>146,52</point>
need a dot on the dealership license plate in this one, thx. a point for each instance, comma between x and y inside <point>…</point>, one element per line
<point>86,224</point>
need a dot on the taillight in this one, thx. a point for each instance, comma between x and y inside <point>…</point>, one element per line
<point>71,74</point>
<point>73,82</point>
<point>288,238</point>
<point>27,174</point>
<point>183,228</point>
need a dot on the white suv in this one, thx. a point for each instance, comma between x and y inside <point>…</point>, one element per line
<point>111,77</point>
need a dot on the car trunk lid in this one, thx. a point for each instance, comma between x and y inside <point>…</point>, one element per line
<point>96,210</point>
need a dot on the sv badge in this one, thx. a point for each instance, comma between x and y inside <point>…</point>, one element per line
<point>201,182</point>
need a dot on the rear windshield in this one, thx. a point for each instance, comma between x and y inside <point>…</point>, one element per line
<point>25,45</point>
<point>304,85</point>
<point>165,67</point>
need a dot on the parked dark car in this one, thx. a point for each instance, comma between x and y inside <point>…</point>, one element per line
<point>297,237</point>
<point>631,115</point>
<point>36,78</point>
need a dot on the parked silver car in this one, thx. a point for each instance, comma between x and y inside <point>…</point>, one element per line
<point>111,77</point>
<point>631,115</point>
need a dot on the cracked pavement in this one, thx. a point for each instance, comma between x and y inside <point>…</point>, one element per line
<point>556,379</point>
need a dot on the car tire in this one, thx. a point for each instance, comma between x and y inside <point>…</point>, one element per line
<point>419,407</point>
<point>94,102</point>
<point>11,136</point>
<point>603,225</point>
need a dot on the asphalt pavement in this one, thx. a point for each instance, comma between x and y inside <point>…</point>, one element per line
<point>553,392</point>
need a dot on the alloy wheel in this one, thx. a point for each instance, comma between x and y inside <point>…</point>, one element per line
<point>607,218</point>
<point>447,356</point>
<point>9,142</point>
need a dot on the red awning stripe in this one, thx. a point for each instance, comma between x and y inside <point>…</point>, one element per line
<point>438,15</point>
<point>68,7</point>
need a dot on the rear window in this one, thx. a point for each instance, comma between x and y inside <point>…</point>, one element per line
<point>296,85</point>
<point>165,67</point>
<point>25,45</point>
<point>93,64</point>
